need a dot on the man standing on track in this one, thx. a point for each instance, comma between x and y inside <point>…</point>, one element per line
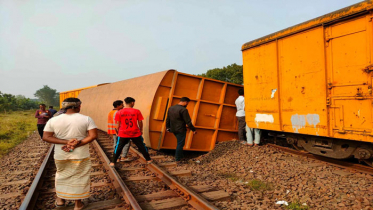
<point>129,127</point>
<point>71,133</point>
<point>43,117</point>
<point>118,105</point>
<point>177,119</point>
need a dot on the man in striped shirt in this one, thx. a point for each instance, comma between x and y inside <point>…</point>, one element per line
<point>118,105</point>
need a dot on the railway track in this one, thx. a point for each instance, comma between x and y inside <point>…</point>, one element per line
<point>41,194</point>
<point>154,185</point>
<point>19,169</point>
<point>135,185</point>
<point>339,163</point>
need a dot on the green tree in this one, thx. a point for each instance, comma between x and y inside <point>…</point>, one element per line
<point>9,102</point>
<point>47,95</point>
<point>232,73</point>
<point>24,103</point>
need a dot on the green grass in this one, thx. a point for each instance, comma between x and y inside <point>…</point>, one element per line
<point>231,176</point>
<point>258,185</point>
<point>15,127</point>
<point>296,205</point>
<point>254,184</point>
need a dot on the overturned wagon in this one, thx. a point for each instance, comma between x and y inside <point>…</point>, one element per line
<point>212,108</point>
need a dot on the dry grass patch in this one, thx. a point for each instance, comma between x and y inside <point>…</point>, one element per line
<point>229,175</point>
<point>258,185</point>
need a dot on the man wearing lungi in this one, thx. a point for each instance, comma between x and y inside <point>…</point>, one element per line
<point>129,127</point>
<point>71,132</point>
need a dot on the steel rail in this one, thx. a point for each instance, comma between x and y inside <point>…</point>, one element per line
<point>330,161</point>
<point>189,195</point>
<point>32,194</point>
<point>118,183</point>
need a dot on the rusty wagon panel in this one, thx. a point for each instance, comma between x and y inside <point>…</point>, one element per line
<point>212,107</point>
<point>314,78</point>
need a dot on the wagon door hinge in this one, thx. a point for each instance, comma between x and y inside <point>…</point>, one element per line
<point>328,101</point>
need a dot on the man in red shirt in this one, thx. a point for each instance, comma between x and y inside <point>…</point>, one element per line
<point>129,127</point>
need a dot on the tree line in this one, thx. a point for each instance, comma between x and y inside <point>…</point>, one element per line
<point>46,95</point>
<point>232,73</point>
<point>9,102</point>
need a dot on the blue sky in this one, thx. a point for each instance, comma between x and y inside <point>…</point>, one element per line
<point>72,44</point>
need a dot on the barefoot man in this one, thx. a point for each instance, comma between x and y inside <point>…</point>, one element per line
<point>71,132</point>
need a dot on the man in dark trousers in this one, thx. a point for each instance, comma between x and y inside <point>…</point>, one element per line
<point>177,119</point>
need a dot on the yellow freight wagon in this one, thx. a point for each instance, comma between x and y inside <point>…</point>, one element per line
<point>74,93</point>
<point>315,80</point>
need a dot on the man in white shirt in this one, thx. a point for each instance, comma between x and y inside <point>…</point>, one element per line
<point>251,133</point>
<point>71,133</point>
<point>240,114</point>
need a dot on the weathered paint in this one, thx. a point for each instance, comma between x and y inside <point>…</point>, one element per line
<point>313,119</point>
<point>263,118</point>
<point>273,93</point>
<point>298,122</point>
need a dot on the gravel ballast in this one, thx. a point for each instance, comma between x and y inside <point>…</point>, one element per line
<point>258,177</point>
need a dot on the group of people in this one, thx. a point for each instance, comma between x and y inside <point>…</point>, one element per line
<point>71,133</point>
<point>125,124</point>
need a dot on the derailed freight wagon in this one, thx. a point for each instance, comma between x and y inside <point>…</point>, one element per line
<point>212,107</point>
<point>315,80</point>
<point>74,93</point>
